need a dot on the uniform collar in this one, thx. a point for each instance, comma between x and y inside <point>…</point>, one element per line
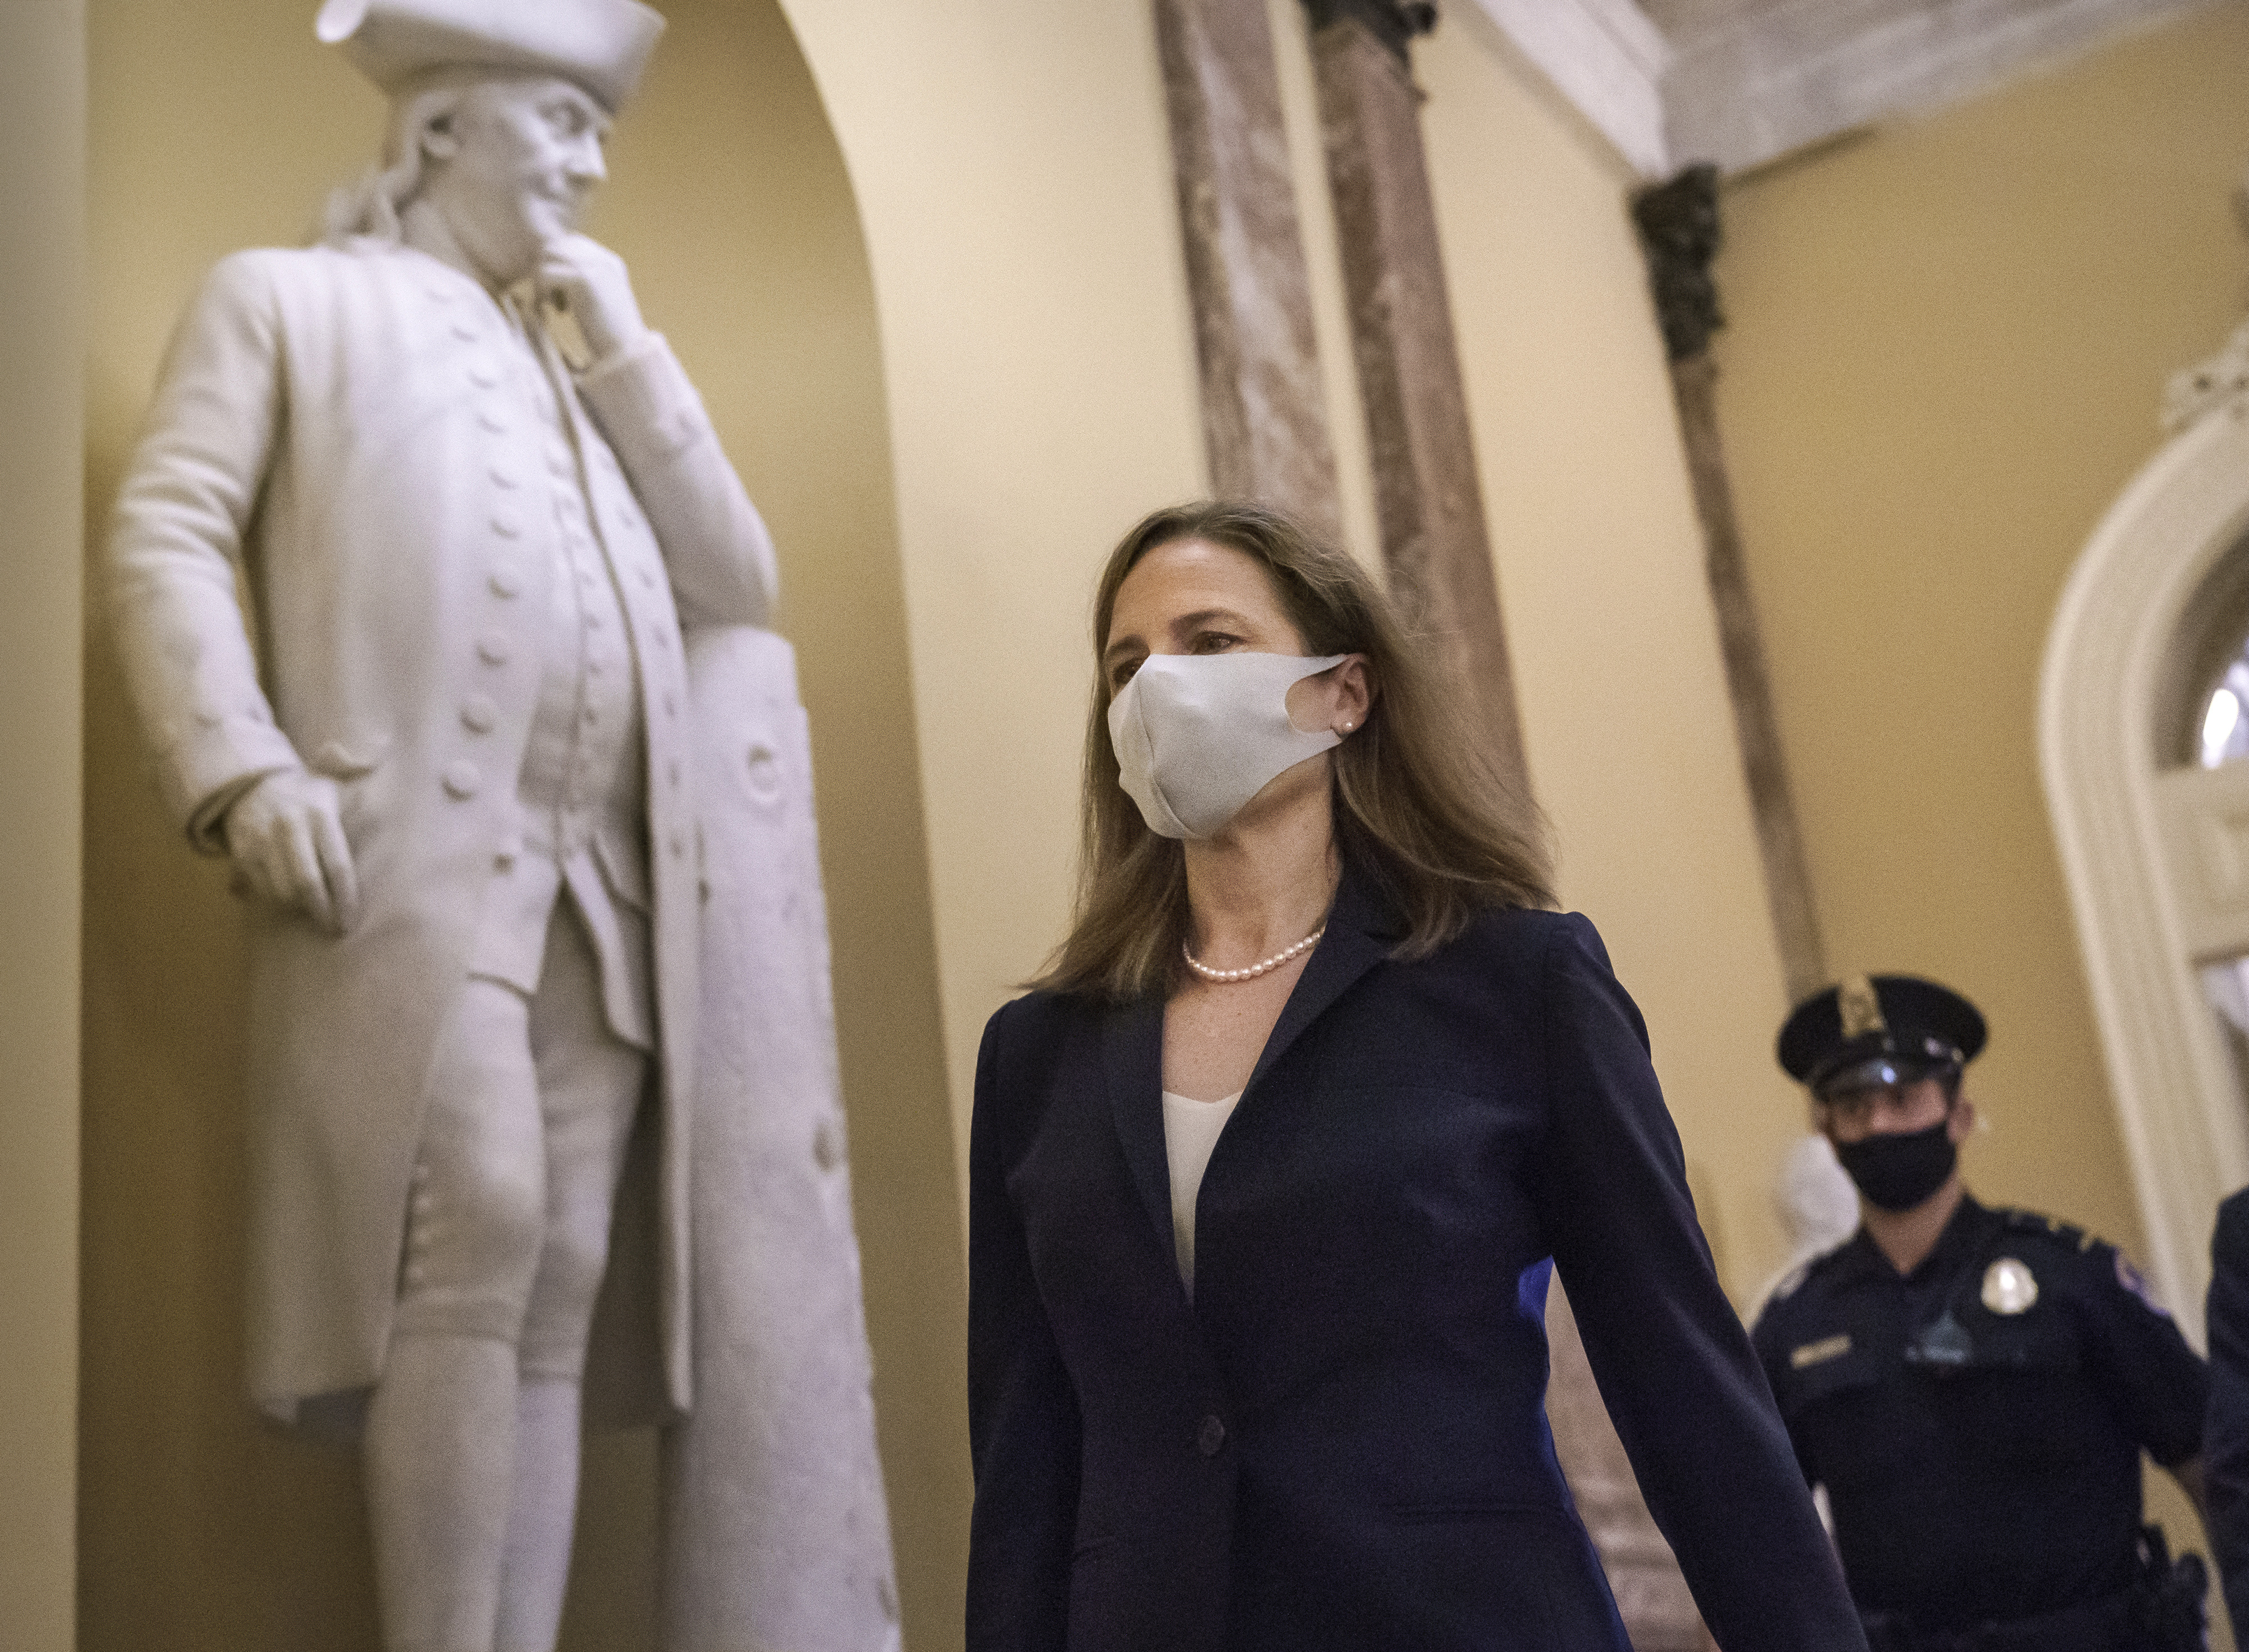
<point>1861,1259</point>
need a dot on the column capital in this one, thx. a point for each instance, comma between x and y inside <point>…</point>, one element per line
<point>1678,235</point>
<point>1394,23</point>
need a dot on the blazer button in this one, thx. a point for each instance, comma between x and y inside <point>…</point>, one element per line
<point>506,580</point>
<point>1210,1439</point>
<point>503,475</point>
<point>465,328</point>
<point>494,648</point>
<point>506,523</point>
<point>485,375</point>
<point>462,778</point>
<point>478,712</point>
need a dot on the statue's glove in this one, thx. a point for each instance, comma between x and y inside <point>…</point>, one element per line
<point>286,837</point>
<point>578,274</point>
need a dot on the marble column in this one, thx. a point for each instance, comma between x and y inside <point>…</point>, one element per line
<point>1264,421</point>
<point>1428,503</point>
<point>1429,507</point>
<point>1679,231</point>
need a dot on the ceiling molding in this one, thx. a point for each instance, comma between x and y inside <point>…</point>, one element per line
<point>1752,80</point>
<point>1608,59</point>
<point>1796,74</point>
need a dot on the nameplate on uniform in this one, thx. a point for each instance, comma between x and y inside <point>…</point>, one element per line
<point>1820,1352</point>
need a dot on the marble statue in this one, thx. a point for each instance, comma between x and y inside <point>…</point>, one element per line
<point>439,602</point>
<point>1818,1206</point>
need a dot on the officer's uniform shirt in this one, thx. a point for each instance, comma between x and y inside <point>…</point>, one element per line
<point>1987,1468</point>
<point>583,785</point>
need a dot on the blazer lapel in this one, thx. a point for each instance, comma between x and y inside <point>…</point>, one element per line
<point>1133,1060</point>
<point>1133,1040</point>
<point>1355,942</point>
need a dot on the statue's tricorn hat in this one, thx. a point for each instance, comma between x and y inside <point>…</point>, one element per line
<point>1878,1030</point>
<point>600,45</point>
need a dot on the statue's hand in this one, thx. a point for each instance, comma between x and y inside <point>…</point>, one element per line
<point>286,837</point>
<point>585,277</point>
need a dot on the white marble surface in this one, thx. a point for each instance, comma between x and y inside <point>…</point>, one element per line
<point>376,471</point>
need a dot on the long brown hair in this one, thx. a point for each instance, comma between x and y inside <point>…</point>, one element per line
<point>1418,806</point>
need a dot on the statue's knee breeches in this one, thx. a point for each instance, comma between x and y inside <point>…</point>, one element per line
<point>477,1221</point>
<point>531,1107</point>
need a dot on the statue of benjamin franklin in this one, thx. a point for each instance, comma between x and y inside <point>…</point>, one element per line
<point>404,590</point>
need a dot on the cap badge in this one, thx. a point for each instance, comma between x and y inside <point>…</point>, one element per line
<point>2009,1287</point>
<point>1860,1009</point>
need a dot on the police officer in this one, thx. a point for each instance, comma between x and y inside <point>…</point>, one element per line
<point>1973,1386</point>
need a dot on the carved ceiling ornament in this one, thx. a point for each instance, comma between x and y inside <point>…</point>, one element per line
<point>1394,23</point>
<point>1680,233</point>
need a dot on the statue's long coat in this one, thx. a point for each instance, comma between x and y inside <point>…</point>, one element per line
<point>334,429</point>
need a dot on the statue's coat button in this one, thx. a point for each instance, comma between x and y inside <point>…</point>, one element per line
<point>493,419</point>
<point>478,712</point>
<point>506,523</point>
<point>503,475</point>
<point>484,374</point>
<point>462,778</point>
<point>506,580</point>
<point>494,648</point>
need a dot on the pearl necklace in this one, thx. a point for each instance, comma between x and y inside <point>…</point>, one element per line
<point>1254,970</point>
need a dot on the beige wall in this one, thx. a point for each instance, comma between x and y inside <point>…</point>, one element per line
<point>1948,339</point>
<point>1628,727</point>
<point>1947,343</point>
<point>1042,396</point>
<point>217,124</point>
<point>1014,174</point>
<point>41,94</point>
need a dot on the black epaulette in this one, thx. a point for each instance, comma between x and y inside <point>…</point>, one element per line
<point>1793,1280</point>
<point>2062,1232</point>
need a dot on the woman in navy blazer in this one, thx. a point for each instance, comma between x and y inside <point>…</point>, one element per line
<point>1304,1409</point>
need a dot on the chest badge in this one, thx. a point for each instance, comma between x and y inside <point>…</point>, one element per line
<point>2009,1287</point>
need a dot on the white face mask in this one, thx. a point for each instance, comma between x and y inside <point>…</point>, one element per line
<point>1198,735</point>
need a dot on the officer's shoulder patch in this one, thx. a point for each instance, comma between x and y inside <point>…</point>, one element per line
<point>2135,1282</point>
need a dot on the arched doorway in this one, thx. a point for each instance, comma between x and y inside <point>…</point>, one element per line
<point>2143,729</point>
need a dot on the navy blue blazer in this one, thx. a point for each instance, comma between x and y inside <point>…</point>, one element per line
<point>2225,1432</point>
<point>1341,1441</point>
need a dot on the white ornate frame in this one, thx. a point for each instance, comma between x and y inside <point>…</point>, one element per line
<point>2121,617</point>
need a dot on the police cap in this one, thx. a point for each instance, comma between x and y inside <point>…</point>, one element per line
<point>1878,1030</point>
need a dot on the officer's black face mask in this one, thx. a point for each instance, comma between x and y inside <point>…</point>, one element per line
<point>1896,1172</point>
